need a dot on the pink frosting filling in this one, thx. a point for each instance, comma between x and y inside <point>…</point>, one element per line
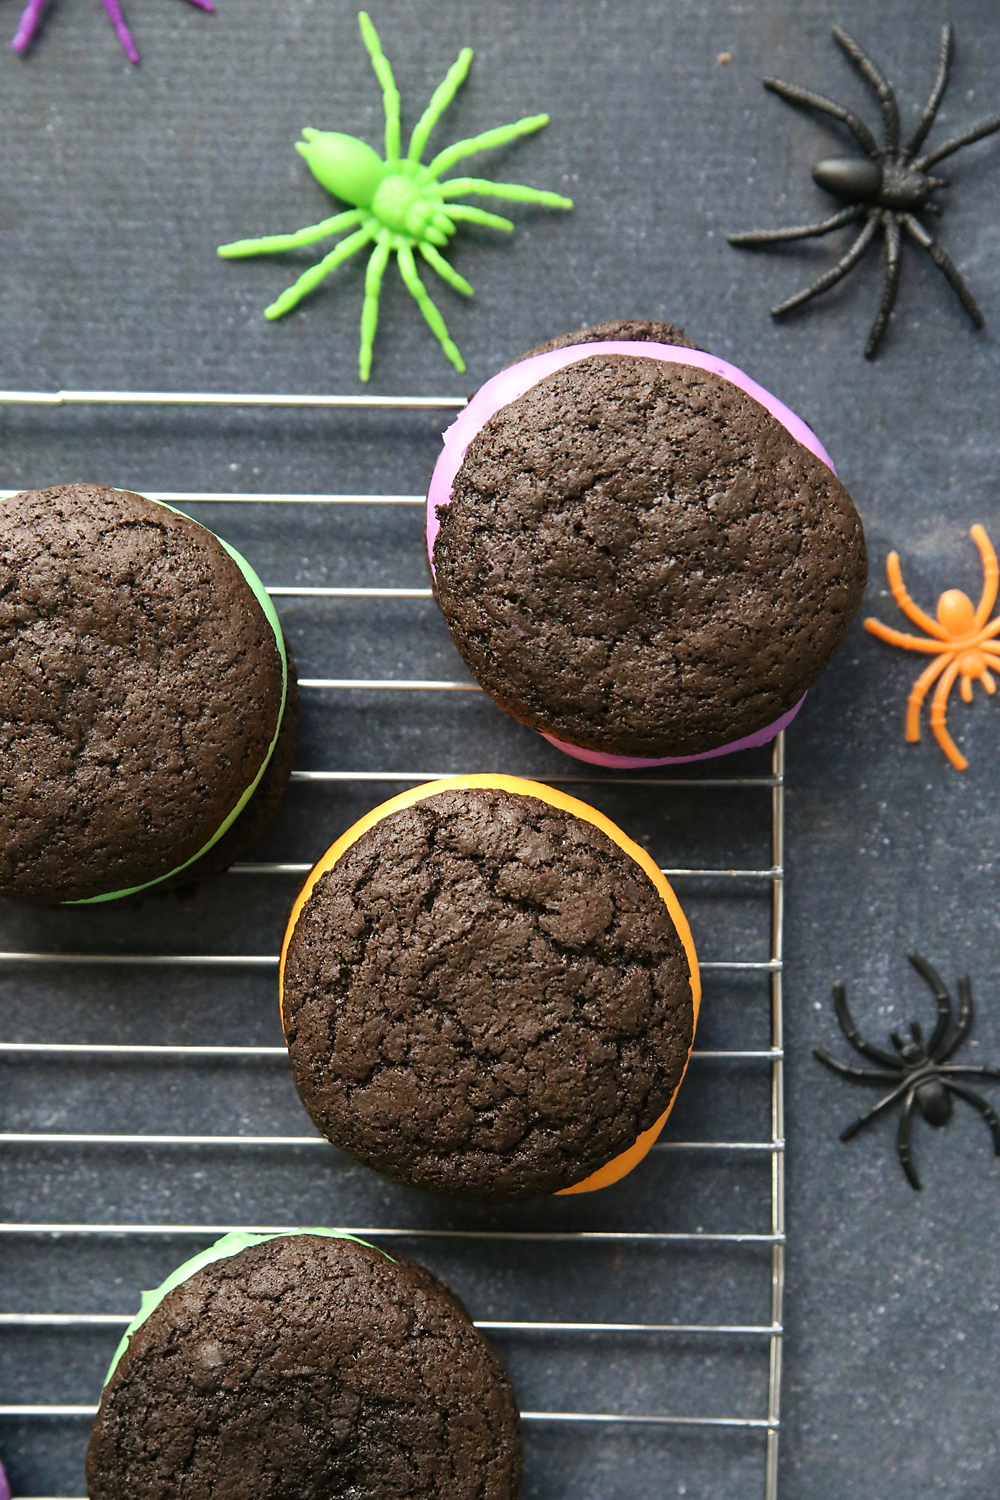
<point>635,762</point>
<point>512,383</point>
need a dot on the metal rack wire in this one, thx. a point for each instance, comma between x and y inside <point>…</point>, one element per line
<point>767,1421</point>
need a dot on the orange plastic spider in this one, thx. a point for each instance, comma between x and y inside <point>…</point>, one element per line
<point>962,640</point>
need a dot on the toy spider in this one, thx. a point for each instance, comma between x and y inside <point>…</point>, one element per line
<point>32,16</point>
<point>962,639</point>
<point>399,204</point>
<point>887,191</point>
<point>921,1074</point>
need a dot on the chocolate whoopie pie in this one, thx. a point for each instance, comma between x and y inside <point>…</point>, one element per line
<point>489,991</point>
<point>304,1366</point>
<point>148,706</point>
<point>638,551</point>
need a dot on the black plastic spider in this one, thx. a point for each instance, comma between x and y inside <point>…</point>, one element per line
<point>921,1074</point>
<point>886,191</point>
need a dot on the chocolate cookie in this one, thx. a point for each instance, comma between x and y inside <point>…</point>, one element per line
<point>309,1366</point>
<point>624,330</point>
<point>144,697</point>
<point>489,991</point>
<point>638,555</point>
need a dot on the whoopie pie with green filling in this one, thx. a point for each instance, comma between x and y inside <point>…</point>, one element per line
<point>304,1366</point>
<point>148,707</point>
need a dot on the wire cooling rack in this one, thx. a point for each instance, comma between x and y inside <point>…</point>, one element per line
<point>592,1290</point>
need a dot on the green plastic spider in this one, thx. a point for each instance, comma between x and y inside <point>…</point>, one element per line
<point>400,205</point>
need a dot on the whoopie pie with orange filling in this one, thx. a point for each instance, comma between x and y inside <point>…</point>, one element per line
<point>489,991</point>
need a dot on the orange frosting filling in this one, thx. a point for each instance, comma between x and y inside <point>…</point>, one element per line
<point>619,1166</point>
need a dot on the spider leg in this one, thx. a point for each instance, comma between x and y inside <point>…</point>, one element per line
<point>444,270</point>
<point>903,1141</point>
<point>390,93</point>
<point>416,288</point>
<point>854,123</point>
<point>439,230</point>
<point>938,989</point>
<point>917,695</point>
<point>939,710</point>
<point>991,574</point>
<point>853,1035</point>
<point>831,277</point>
<point>876,1109</point>
<point>473,215</point>
<point>799,231</point>
<point>114,10</point>
<point>374,272</point>
<point>909,607</point>
<point>956,1070</point>
<point>456,186</point>
<point>977,1101</point>
<point>900,638</point>
<point>945,265</point>
<point>874,75</point>
<point>966,1011</point>
<point>863,1075</point>
<point>293,295</point>
<point>440,99</point>
<point>273,243</point>
<point>28,25</point>
<point>446,159</point>
<point>974,133</point>
<point>893,262</point>
<point>933,104</point>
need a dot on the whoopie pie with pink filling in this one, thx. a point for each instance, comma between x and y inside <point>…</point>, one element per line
<point>639,551</point>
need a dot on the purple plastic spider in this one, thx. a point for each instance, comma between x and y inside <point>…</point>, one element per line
<point>32,17</point>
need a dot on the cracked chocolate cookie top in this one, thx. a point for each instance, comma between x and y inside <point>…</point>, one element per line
<point>486,996</point>
<point>639,559</point>
<point>140,688</point>
<point>310,1367</point>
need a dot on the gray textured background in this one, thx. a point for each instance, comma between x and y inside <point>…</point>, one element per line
<point>115,186</point>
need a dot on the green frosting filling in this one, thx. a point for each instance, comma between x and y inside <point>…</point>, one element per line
<point>264,600</point>
<point>224,1249</point>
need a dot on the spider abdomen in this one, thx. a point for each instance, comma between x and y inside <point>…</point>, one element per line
<point>849,177</point>
<point>347,168</point>
<point>934,1101</point>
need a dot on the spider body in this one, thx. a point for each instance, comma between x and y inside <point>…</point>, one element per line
<point>877,183</point>
<point>919,1072</point>
<point>930,1095</point>
<point>885,189</point>
<point>962,638</point>
<point>398,203</point>
<point>391,190</point>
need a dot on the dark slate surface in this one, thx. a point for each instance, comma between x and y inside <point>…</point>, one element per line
<point>116,185</point>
